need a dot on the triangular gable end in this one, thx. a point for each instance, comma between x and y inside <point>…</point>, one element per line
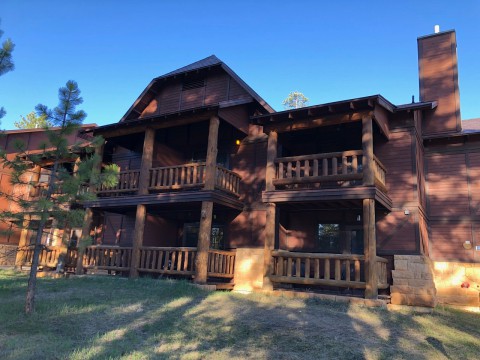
<point>204,83</point>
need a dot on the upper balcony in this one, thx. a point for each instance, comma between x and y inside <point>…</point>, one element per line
<point>325,171</point>
<point>173,178</point>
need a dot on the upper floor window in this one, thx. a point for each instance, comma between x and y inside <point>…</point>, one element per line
<point>328,238</point>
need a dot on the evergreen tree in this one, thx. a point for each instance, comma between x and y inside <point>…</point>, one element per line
<point>31,121</point>
<point>60,201</point>
<point>295,100</point>
<point>6,62</point>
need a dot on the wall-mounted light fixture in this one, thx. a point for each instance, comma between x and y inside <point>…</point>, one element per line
<point>237,142</point>
<point>359,218</point>
<point>406,212</point>
<point>467,245</point>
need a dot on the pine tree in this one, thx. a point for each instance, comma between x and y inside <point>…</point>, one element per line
<point>6,62</point>
<point>295,100</point>
<point>63,194</point>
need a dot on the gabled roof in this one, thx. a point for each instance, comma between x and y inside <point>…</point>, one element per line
<point>208,62</point>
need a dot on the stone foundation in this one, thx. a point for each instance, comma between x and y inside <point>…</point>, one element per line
<point>449,278</point>
<point>413,282</point>
<point>7,254</point>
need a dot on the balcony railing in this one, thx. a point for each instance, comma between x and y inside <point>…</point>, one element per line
<point>324,170</point>
<point>339,270</point>
<point>173,178</point>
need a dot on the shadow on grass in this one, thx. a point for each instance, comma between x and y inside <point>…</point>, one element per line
<point>97,318</point>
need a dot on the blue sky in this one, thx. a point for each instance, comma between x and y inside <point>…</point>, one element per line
<point>329,50</point>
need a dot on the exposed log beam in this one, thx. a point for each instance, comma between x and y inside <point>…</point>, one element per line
<point>316,122</point>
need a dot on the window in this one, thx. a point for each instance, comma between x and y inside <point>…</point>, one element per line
<point>328,238</point>
<point>190,236</point>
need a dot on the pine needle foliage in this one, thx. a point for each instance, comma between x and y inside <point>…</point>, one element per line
<point>75,168</point>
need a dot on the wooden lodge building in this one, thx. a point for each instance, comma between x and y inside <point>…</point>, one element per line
<point>359,196</point>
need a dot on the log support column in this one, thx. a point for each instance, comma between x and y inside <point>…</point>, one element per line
<point>367,147</point>
<point>271,225</point>
<point>370,249</point>
<point>141,214</point>
<point>270,234</point>
<point>206,215</point>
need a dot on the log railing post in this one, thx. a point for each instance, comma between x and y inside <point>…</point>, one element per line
<point>271,156</point>
<point>370,249</point>
<point>270,231</point>
<point>206,215</point>
<point>367,147</point>
<point>138,239</point>
<point>147,155</point>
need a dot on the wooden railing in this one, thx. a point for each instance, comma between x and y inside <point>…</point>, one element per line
<point>104,257</point>
<point>177,177</point>
<point>127,182</point>
<point>341,168</point>
<point>168,260</point>
<point>227,180</point>
<point>339,270</point>
<point>48,256</point>
<point>381,267</point>
<point>221,263</point>
<point>379,170</point>
<point>318,269</point>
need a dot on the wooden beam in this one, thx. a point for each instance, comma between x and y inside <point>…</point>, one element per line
<point>147,155</point>
<point>381,118</point>
<point>140,217</point>
<point>270,231</point>
<point>370,249</point>
<point>203,244</point>
<point>211,161</point>
<point>309,123</point>
<point>271,156</point>
<point>367,147</point>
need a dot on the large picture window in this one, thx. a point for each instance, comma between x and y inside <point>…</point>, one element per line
<point>328,240</point>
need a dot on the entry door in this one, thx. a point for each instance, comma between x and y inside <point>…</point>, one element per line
<point>355,240</point>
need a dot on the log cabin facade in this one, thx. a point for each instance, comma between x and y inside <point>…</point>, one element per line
<point>216,186</point>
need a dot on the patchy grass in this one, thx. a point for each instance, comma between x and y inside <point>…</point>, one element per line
<point>114,318</point>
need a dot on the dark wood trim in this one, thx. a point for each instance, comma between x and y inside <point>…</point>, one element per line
<point>217,196</point>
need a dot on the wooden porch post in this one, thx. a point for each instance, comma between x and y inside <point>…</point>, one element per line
<point>138,239</point>
<point>270,230</point>
<point>367,147</point>
<point>205,230</point>
<point>147,156</point>
<point>370,248</point>
<point>22,243</point>
<point>271,156</point>
<point>271,223</point>
<point>87,226</point>
<point>141,214</point>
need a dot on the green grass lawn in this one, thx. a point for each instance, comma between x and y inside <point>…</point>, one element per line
<point>113,318</point>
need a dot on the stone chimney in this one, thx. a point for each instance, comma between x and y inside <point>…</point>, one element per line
<point>438,77</point>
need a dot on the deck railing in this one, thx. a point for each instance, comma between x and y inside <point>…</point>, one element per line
<point>339,270</point>
<point>227,180</point>
<point>177,177</point>
<point>379,170</point>
<point>127,183</point>
<point>103,257</point>
<point>343,167</point>
<point>168,260</point>
<point>326,170</point>
<point>221,263</point>
<point>49,256</point>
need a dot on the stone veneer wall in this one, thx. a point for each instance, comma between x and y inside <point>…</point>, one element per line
<point>413,282</point>
<point>449,278</point>
<point>7,255</point>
